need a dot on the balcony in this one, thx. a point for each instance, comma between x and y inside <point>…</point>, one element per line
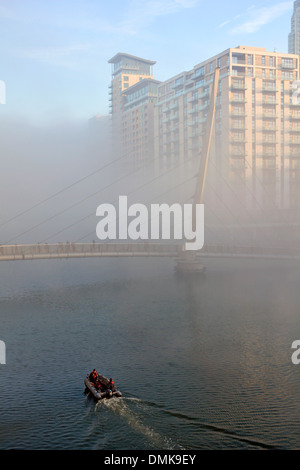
<point>238,100</point>
<point>178,85</point>
<point>287,65</point>
<point>269,102</point>
<point>236,86</point>
<point>238,60</point>
<point>237,114</point>
<point>269,89</point>
<point>269,116</point>
<point>238,71</point>
<point>203,94</point>
<point>195,134</point>
<point>267,156</point>
<point>193,123</point>
<point>237,129</point>
<point>269,142</point>
<point>193,99</point>
<point>294,103</point>
<point>238,155</point>
<point>204,106</point>
<point>238,140</point>
<point>193,147</point>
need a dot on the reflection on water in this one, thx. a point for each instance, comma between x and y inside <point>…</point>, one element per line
<point>203,363</point>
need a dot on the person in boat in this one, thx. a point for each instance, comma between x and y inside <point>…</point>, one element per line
<point>111,385</point>
<point>98,385</point>
<point>93,377</point>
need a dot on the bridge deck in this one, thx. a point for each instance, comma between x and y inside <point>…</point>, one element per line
<point>88,250</point>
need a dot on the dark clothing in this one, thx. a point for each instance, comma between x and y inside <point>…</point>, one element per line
<point>111,386</point>
<point>98,385</point>
<point>93,376</point>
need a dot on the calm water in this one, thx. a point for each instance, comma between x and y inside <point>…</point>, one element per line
<point>202,363</point>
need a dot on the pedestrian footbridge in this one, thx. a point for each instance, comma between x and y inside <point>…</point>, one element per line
<point>141,249</point>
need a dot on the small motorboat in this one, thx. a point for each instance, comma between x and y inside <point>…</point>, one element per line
<point>106,390</point>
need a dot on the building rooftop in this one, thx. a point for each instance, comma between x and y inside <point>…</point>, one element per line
<point>118,56</point>
<point>140,84</point>
<point>262,49</point>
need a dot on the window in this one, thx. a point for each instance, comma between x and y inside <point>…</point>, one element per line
<point>288,63</point>
<point>237,83</point>
<point>269,86</point>
<point>238,110</point>
<point>238,96</point>
<point>199,83</point>
<point>238,124</point>
<point>125,78</point>
<point>238,136</point>
<point>287,75</point>
<point>199,71</point>
<point>179,81</point>
<point>238,58</point>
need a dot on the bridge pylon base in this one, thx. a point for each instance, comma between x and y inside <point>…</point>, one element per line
<point>189,263</point>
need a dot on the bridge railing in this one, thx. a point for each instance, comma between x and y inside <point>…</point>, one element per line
<point>68,249</point>
<point>251,250</point>
<point>46,250</point>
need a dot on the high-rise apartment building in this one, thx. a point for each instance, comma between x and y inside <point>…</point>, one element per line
<point>294,36</point>
<point>127,71</point>
<point>137,133</point>
<point>257,124</point>
<point>256,136</point>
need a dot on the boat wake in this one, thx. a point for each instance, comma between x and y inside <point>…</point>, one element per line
<point>133,411</point>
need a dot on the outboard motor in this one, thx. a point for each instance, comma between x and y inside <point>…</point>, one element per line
<point>108,393</point>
